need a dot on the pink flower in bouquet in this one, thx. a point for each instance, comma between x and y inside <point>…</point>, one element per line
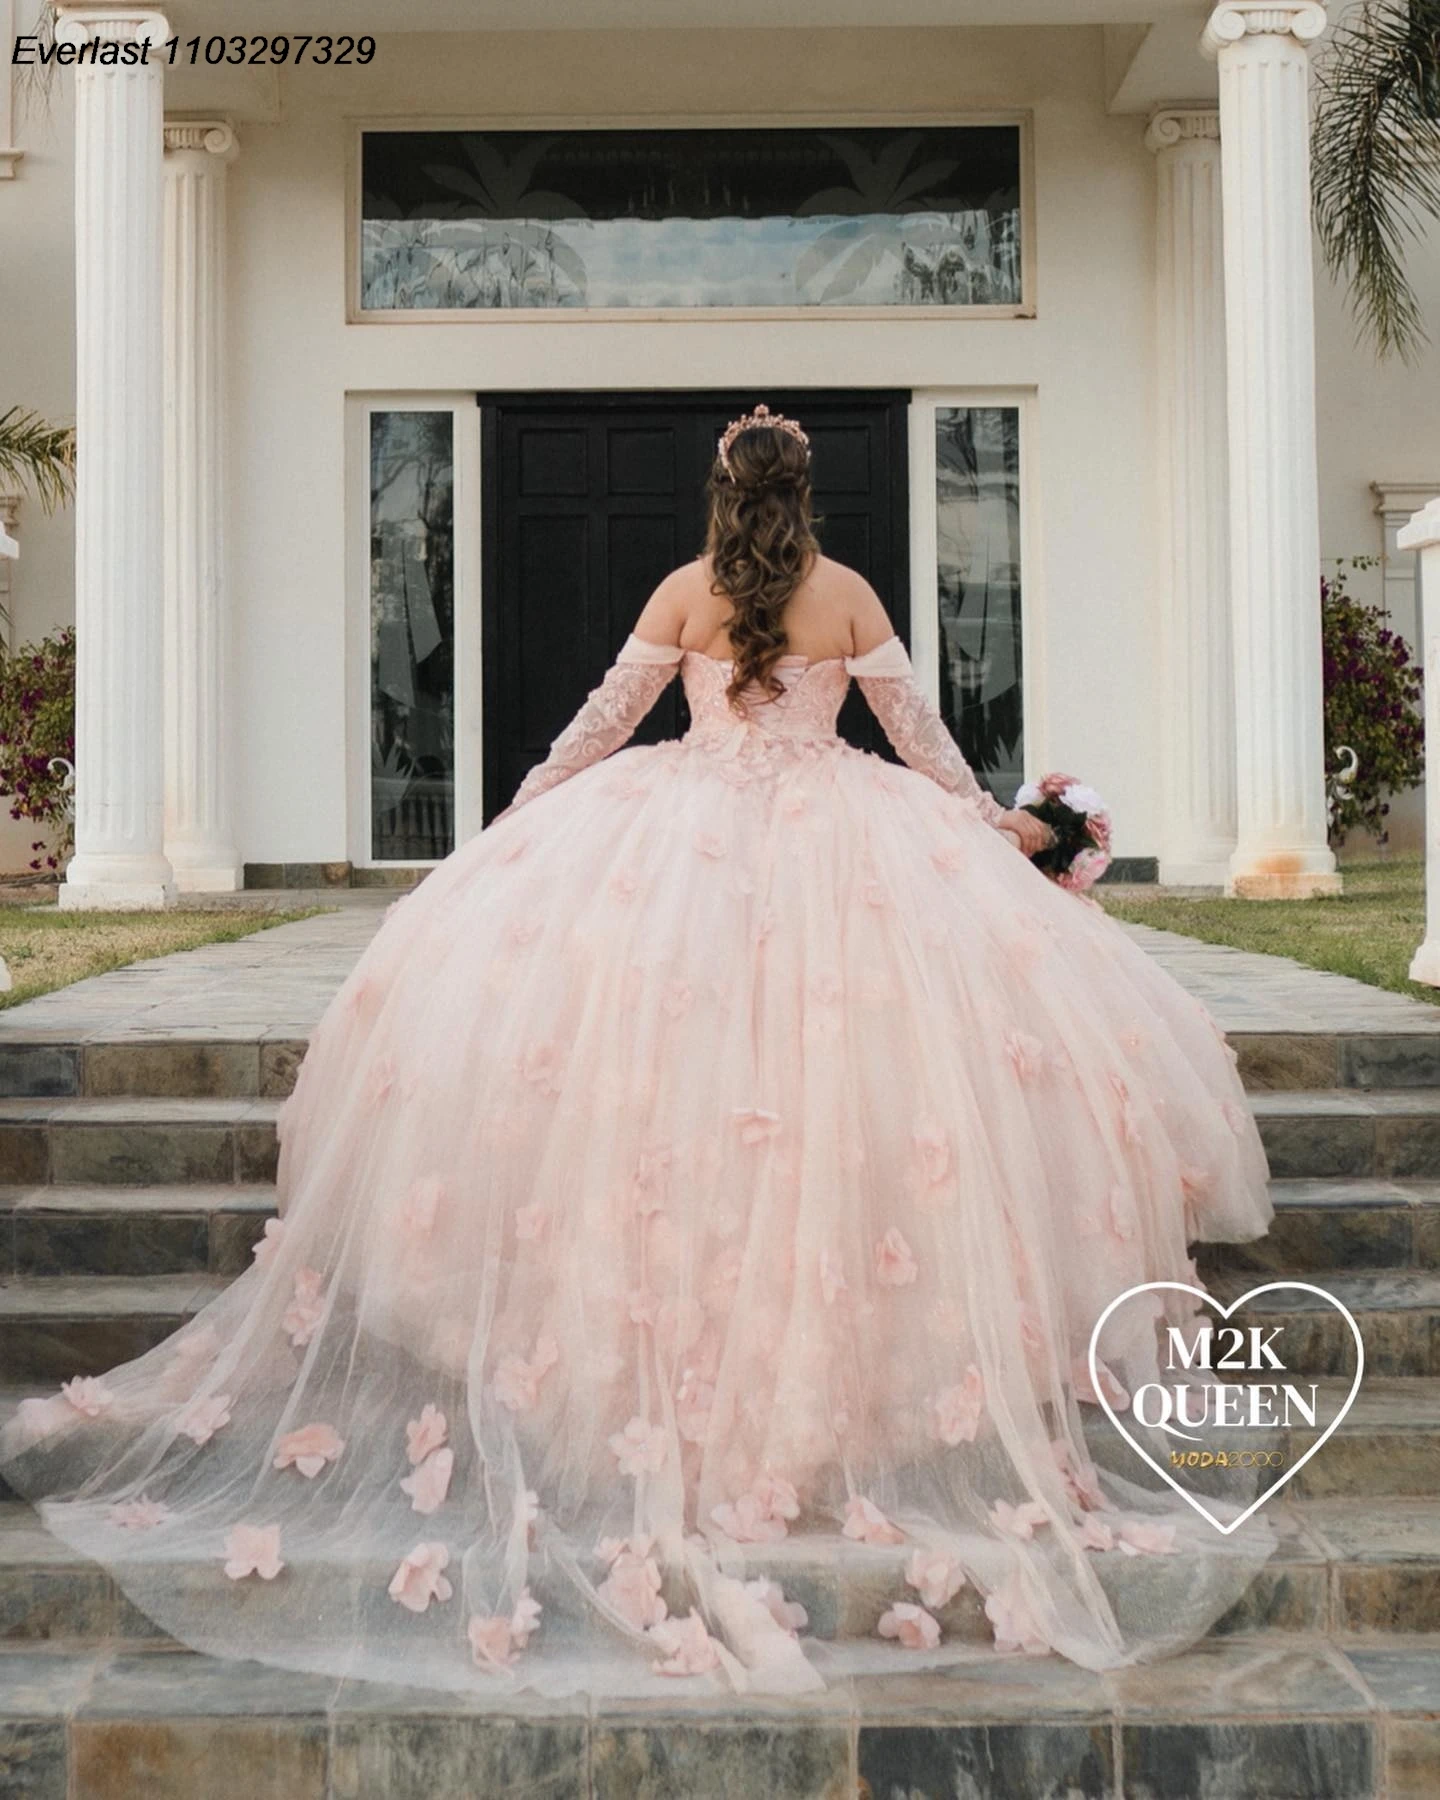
<point>1085,871</point>
<point>1053,786</point>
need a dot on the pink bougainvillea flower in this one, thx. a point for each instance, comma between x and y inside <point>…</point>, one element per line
<point>633,1586</point>
<point>911,1625</point>
<point>865,1521</point>
<point>203,1418</point>
<point>141,1514</point>
<point>426,1433</point>
<point>430,1483</point>
<point>789,1615</point>
<point>253,1550</point>
<point>1016,1628</point>
<point>308,1449</point>
<point>88,1396</point>
<point>755,1125</point>
<point>935,1575</point>
<point>1140,1537</point>
<point>955,1411</point>
<point>1085,1390</point>
<point>832,1279</point>
<point>1095,1534</point>
<point>421,1578</point>
<point>264,1248</point>
<point>689,1646</point>
<point>1020,1521</point>
<point>302,1317</point>
<point>895,1265</point>
<point>640,1448</point>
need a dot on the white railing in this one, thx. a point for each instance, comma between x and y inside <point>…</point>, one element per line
<point>1422,534</point>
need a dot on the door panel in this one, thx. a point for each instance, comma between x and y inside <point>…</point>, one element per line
<point>589,500</point>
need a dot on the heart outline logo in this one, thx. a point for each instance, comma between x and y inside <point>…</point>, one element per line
<point>1182,1287</point>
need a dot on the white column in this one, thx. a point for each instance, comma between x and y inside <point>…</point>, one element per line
<point>1422,534</point>
<point>199,837</point>
<point>1281,850</point>
<point>1199,695</point>
<point>119,856</point>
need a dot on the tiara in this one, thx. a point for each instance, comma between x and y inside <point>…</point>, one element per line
<point>762,415</point>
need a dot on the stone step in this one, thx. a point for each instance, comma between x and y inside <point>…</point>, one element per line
<point>1272,1718</point>
<point>1397,1311</point>
<point>137,1142</point>
<point>55,1327</point>
<point>1321,1225</point>
<point>109,1230</point>
<point>1345,1133</point>
<point>1366,1565</point>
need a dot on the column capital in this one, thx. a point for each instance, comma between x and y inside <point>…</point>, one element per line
<point>215,137</point>
<point>1172,125</point>
<point>111,25</point>
<point>1235,20</point>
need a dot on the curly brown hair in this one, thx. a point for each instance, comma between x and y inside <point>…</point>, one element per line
<point>761,544</point>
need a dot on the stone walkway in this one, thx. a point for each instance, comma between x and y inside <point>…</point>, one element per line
<point>275,985</point>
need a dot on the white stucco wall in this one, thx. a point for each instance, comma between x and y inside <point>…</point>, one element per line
<point>1090,588</point>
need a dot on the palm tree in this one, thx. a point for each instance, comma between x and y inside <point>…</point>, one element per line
<point>1376,159</point>
<point>37,455</point>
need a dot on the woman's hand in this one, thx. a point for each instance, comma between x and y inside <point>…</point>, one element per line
<point>1031,833</point>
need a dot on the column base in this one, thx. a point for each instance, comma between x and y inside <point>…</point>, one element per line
<point>116,896</point>
<point>206,870</point>
<point>1308,874</point>
<point>1425,964</point>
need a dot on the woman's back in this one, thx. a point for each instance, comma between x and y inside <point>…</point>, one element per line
<point>832,612</point>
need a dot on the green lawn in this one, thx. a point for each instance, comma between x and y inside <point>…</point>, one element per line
<point>48,949</point>
<point>1369,932</point>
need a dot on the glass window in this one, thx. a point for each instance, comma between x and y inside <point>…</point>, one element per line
<point>977,461</point>
<point>870,216</point>
<point>412,636</point>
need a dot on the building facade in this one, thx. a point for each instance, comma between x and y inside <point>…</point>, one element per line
<point>397,375</point>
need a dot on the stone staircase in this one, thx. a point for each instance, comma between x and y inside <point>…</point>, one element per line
<point>136,1176</point>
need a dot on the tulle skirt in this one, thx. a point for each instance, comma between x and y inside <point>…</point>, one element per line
<point>695,1206</point>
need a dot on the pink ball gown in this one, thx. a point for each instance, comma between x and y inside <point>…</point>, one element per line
<point>695,1205</point>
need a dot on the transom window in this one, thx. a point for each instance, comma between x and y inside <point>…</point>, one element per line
<point>874,216</point>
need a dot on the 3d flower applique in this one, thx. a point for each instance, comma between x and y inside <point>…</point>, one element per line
<point>1194,1183</point>
<point>1080,1484</point>
<point>383,1076</point>
<point>1020,1521</point>
<point>531,1222</point>
<point>426,1433</point>
<point>910,1625</point>
<point>932,1149</point>
<point>874,893</point>
<point>1141,1537</point>
<point>308,1449</point>
<point>88,1396</point>
<point>301,1319</point>
<point>1095,1534</point>
<point>1016,1627</point>
<point>430,1483</point>
<point>253,1550</point>
<point>895,1264</point>
<point>955,1411</point>
<point>640,1449</point>
<point>421,1578</point>
<point>202,1418</point>
<point>1237,1117</point>
<point>694,1403</point>
<point>141,1514</point>
<point>832,1277</point>
<point>677,999</point>
<point>540,1066</point>
<point>755,1125</point>
<point>623,886</point>
<point>935,1575</point>
<point>711,844</point>
<point>761,1515</point>
<point>1120,1213</point>
<point>633,1584</point>
<point>1032,1332</point>
<point>789,1615</point>
<point>420,1206</point>
<point>521,932</point>
<point>1026,1053</point>
<point>652,1173</point>
<point>689,1647</point>
<point>865,1522</point>
<point>264,1248</point>
<point>948,857</point>
<point>1085,1390</point>
<point>517,1380</point>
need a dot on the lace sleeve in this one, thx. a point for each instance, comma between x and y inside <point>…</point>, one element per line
<point>913,724</point>
<point>632,685</point>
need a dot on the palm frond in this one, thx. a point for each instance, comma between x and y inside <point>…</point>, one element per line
<point>1376,160</point>
<point>38,455</point>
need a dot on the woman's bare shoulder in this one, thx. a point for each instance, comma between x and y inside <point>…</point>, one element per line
<point>850,593</point>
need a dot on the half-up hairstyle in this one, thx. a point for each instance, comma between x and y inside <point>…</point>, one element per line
<point>761,544</point>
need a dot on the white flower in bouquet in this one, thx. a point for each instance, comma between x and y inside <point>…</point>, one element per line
<point>1027,794</point>
<point>1082,799</point>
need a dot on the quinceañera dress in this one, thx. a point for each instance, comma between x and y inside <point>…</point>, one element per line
<point>695,1206</point>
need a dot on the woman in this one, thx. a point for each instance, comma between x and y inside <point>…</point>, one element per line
<point>695,1207</point>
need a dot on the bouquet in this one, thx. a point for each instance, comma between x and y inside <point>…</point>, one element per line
<point>1076,814</point>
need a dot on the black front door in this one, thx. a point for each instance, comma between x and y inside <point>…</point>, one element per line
<point>589,499</point>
